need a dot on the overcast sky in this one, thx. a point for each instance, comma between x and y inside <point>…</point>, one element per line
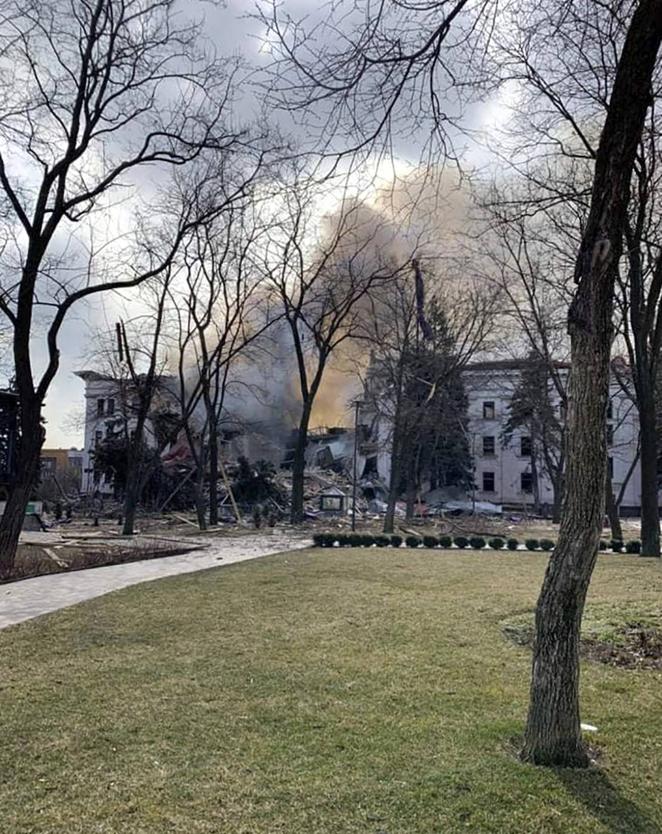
<point>233,33</point>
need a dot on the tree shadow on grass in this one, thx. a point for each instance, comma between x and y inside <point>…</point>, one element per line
<point>602,799</point>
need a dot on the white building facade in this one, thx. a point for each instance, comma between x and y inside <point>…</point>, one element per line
<point>503,472</point>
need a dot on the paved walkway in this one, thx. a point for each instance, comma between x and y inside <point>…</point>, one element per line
<point>30,598</point>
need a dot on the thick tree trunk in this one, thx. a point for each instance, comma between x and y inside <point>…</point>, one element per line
<point>612,511</point>
<point>553,735</point>
<point>299,464</point>
<point>27,469</point>
<point>557,500</point>
<point>650,515</point>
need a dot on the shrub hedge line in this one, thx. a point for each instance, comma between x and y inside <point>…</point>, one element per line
<point>445,542</point>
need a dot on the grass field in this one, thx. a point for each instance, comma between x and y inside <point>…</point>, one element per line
<point>320,692</point>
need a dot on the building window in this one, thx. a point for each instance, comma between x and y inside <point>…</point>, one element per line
<point>100,408</point>
<point>525,447</point>
<point>110,408</point>
<point>489,445</point>
<point>98,437</point>
<point>563,411</point>
<point>610,465</point>
<point>610,410</point>
<point>488,481</point>
<point>610,434</point>
<point>526,482</point>
<point>488,410</point>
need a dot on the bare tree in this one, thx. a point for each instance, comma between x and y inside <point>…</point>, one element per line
<point>418,350</point>
<point>321,282</point>
<point>120,86</point>
<point>223,310</point>
<point>526,265</point>
<point>568,71</point>
<point>553,735</point>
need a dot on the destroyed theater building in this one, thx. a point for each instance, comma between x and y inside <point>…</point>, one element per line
<point>505,472</point>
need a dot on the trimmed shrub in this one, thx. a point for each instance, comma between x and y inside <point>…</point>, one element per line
<point>355,540</point>
<point>633,547</point>
<point>546,544</point>
<point>477,542</point>
<point>617,545</point>
<point>445,541</point>
<point>412,541</point>
<point>396,541</point>
<point>496,543</point>
<point>604,545</point>
<point>342,539</point>
<point>532,544</point>
<point>367,540</point>
<point>430,541</point>
<point>512,544</point>
<point>324,539</point>
<point>461,541</point>
<point>382,541</point>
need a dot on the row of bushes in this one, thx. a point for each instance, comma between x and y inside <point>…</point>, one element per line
<point>618,546</point>
<point>474,542</point>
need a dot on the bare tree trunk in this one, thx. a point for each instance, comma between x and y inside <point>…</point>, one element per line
<point>410,480</point>
<point>612,510</point>
<point>200,503</point>
<point>650,515</point>
<point>557,500</point>
<point>299,464</point>
<point>134,481</point>
<point>27,469</point>
<point>553,734</point>
<point>535,484</point>
<point>393,483</point>
<point>213,473</point>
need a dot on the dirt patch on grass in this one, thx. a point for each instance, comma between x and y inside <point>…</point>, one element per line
<point>33,560</point>
<point>616,636</point>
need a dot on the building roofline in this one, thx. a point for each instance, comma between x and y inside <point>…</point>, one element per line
<point>509,365</point>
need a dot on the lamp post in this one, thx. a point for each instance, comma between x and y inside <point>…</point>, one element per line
<point>357,408</point>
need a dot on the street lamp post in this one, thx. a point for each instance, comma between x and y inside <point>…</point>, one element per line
<point>357,408</point>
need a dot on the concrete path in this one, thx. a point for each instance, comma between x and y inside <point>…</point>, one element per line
<point>30,598</point>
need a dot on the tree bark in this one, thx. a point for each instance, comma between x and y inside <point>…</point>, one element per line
<point>134,480</point>
<point>612,511</point>
<point>557,500</point>
<point>27,469</point>
<point>650,516</point>
<point>200,504</point>
<point>299,463</point>
<point>553,736</point>
<point>213,473</point>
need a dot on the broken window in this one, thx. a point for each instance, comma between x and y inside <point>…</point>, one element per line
<point>488,410</point>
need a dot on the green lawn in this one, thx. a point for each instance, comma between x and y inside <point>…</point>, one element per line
<point>320,692</point>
